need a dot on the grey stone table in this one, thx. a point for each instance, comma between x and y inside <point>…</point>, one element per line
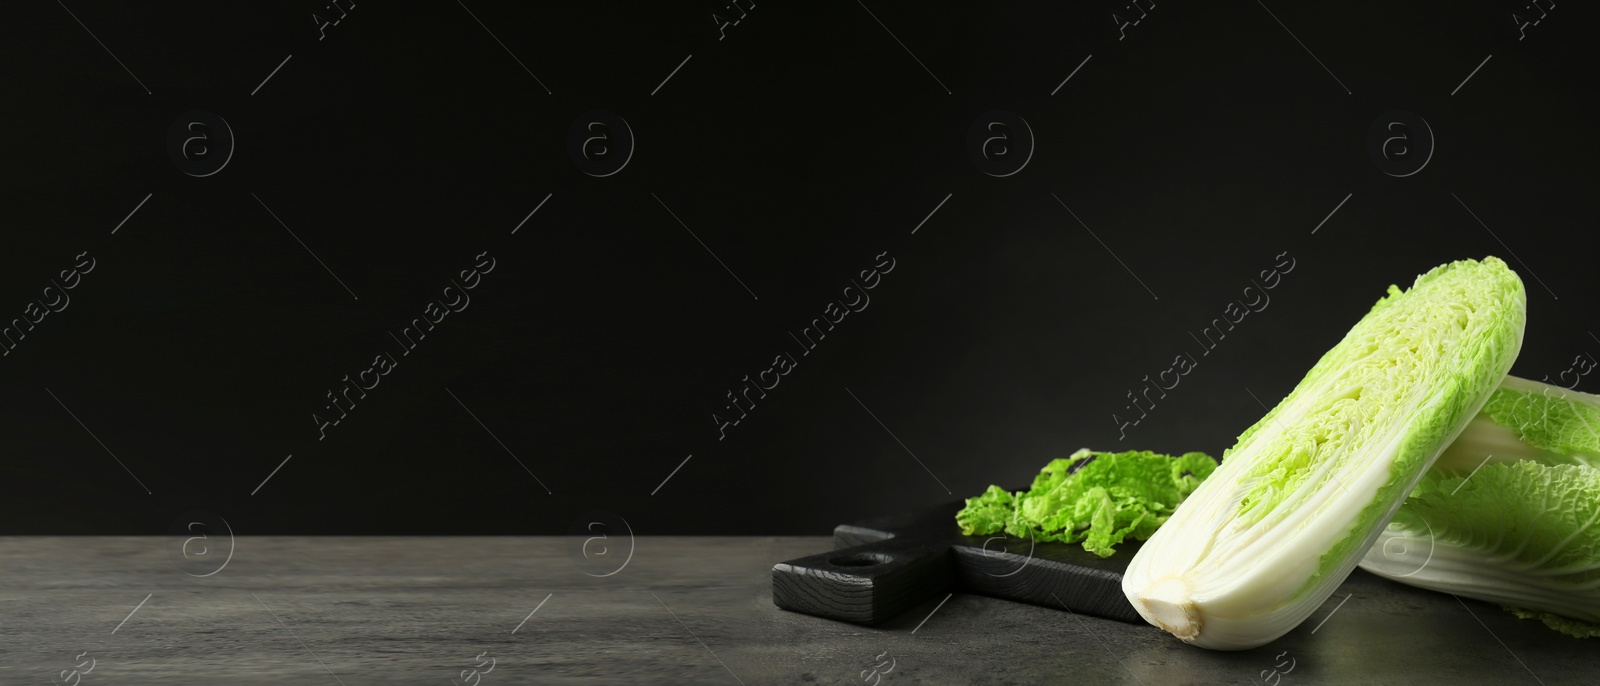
<point>683,610</point>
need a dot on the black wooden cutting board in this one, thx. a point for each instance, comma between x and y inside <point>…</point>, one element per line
<point>881,567</point>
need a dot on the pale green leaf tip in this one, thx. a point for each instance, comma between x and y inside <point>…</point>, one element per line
<point>1575,628</point>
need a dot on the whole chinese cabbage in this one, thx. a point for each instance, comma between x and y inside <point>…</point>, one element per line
<point>1300,498</point>
<point>1528,420</point>
<point>1509,513</point>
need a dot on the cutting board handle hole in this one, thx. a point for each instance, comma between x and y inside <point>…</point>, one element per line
<point>860,560</point>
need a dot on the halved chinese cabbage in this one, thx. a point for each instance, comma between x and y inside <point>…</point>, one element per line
<point>1306,490</point>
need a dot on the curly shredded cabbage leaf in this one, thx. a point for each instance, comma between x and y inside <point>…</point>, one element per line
<point>1099,499</point>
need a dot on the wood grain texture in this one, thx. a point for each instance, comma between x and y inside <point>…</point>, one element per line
<point>866,584</point>
<point>420,610</point>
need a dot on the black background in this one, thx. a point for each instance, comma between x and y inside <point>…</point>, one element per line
<point>799,148</point>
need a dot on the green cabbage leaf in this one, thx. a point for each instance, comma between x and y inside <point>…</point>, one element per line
<point>1099,499</point>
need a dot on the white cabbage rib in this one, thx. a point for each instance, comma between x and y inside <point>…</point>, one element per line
<point>1286,517</point>
<point>1420,562</point>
